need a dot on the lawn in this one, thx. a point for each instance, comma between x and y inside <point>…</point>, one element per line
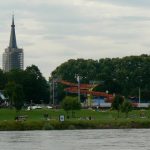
<point>84,114</point>
<point>99,119</point>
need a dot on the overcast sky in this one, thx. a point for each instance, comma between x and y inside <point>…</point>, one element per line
<point>53,31</point>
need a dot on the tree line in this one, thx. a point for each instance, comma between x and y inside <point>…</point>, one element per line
<point>117,75</point>
<point>24,86</point>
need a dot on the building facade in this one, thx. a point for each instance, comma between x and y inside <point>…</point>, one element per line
<point>13,57</point>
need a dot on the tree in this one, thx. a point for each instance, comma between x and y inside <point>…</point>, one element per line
<point>117,102</point>
<point>15,93</point>
<point>71,104</point>
<point>16,75</point>
<point>9,89</point>
<point>126,107</point>
<point>119,75</point>
<point>3,80</point>
<point>18,97</point>
<point>36,87</point>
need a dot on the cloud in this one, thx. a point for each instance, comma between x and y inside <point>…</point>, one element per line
<point>53,31</point>
<point>125,3</point>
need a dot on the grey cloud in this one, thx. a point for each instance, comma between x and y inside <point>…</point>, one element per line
<point>54,37</point>
<point>133,18</point>
<point>25,43</point>
<point>51,33</point>
<point>128,3</point>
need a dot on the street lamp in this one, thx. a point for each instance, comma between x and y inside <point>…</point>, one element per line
<point>139,95</point>
<point>54,85</point>
<point>78,80</point>
<point>140,84</point>
<point>30,104</point>
<point>52,90</point>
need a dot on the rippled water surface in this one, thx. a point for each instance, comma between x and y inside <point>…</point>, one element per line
<point>134,139</point>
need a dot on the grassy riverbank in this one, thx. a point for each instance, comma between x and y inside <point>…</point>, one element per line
<point>86,124</point>
<point>99,120</point>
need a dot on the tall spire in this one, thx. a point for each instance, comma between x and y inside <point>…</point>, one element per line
<point>12,42</point>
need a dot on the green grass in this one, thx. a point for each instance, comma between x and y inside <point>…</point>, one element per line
<point>9,114</point>
<point>38,114</point>
<point>100,120</point>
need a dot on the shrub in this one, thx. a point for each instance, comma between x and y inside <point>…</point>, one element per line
<point>48,126</point>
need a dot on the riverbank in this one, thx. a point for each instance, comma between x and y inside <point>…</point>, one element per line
<point>48,119</point>
<point>70,125</point>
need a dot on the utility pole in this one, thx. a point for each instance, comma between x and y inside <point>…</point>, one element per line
<point>50,91</point>
<point>53,90</point>
<point>139,95</point>
<point>78,80</point>
<point>53,86</point>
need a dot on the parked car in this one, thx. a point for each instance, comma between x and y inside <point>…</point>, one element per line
<point>49,107</point>
<point>34,107</point>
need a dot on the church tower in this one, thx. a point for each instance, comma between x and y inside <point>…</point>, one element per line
<point>13,57</point>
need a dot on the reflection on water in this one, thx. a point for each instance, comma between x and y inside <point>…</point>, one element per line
<point>134,139</point>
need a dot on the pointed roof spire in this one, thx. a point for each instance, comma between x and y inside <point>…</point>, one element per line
<point>13,20</point>
<point>12,42</point>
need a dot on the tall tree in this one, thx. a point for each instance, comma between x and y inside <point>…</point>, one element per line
<point>118,75</point>
<point>126,107</point>
<point>9,89</point>
<point>116,104</point>
<point>3,80</point>
<point>36,87</point>
<point>16,75</point>
<point>18,97</point>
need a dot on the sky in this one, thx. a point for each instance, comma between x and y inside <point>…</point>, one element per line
<point>54,31</point>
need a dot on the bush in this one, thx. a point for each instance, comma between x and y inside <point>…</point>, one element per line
<point>85,124</point>
<point>71,127</point>
<point>48,126</point>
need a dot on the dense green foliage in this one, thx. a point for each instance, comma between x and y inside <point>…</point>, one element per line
<point>70,125</point>
<point>9,89</point>
<point>126,107</point>
<point>34,85</point>
<point>71,104</point>
<point>117,75</point>
<point>18,97</point>
<point>117,103</point>
<point>3,80</point>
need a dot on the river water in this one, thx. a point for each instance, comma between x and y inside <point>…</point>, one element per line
<point>118,139</point>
